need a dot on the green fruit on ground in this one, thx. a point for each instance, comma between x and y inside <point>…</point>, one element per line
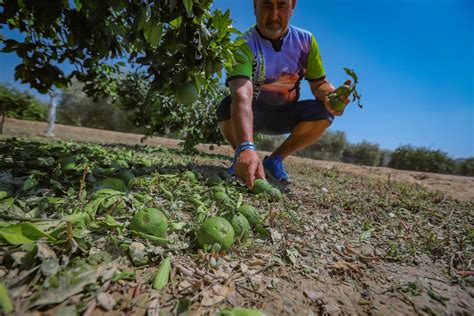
<point>214,180</point>
<point>189,176</point>
<point>222,174</point>
<point>112,183</point>
<point>67,163</point>
<point>216,230</point>
<point>241,227</point>
<point>275,194</point>
<point>221,196</point>
<point>186,93</point>
<point>344,90</point>
<point>260,186</point>
<point>218,188</point>
<point>150,221</point>
<point>251,213</point>
<point>126,175</point>
<point>223,201</point>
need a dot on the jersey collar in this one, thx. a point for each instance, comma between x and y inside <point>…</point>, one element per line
<point>276,43</point>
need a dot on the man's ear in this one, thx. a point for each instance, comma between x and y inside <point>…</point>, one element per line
<point>255,5</point>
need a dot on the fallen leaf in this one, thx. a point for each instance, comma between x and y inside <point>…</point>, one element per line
<point>313,295</point>
<point>215,295</point>
<point>106,301</point>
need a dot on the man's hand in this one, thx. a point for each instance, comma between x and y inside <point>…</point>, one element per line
<point>327,102</point>
<point>248,167</point>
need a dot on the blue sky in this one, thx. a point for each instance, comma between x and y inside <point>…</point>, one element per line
<point>414,59</point>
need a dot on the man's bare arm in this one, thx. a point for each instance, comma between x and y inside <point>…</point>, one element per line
<point>248,166</point>
<point>241,92</point>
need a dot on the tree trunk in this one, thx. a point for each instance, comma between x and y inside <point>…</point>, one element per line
<point>51,115</point>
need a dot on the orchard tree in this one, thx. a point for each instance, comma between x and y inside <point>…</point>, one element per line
<point>179,44</point>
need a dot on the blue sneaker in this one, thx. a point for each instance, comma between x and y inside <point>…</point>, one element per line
<point>231,170</point>
<point>274,168</point>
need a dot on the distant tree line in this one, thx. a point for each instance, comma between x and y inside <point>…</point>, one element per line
<point>333,146</point>
<point>76,108</point>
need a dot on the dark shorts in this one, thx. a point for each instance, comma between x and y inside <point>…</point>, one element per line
<point>279,119</point>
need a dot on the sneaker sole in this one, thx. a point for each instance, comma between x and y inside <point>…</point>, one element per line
<point>268,174</point>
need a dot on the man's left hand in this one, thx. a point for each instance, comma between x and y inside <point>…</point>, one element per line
<point>327,102</point>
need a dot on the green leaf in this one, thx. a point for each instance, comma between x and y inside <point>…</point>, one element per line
<point>176,22</point>
<point>5,301</point>
<point>156,33</point>
<point>29,183</point>
<point>78,5</point>
<point>178,226</point>
<point>163,274</point>
<point>188,5</point>
<point>23,233</point>
<point>111,222</point>
<point>153,239</point>
<point>141,21</point>
<point>3,194</point>
<point>351,73</point>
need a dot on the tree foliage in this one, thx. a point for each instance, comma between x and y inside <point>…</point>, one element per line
<point>363,153</point>
<point>173,41</point>
<point>421,159</point>
<point>194,123</point>
<point>329,147</point>
<point>466,167</point>
<point>21,105</point>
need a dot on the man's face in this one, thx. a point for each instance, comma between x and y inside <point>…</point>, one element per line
<point>273,16</point>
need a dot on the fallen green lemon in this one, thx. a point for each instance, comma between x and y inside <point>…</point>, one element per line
<point>260,186</point>
<point>216,230</point>
<point>251,213</point>
<point>241,227</point>
<point>150,221</point>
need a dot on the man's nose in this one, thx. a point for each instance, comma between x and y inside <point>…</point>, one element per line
<point>274,13</point>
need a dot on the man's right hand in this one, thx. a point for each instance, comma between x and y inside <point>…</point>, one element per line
<point>248,167</point>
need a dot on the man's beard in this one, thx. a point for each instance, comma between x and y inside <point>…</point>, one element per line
<point>274,28</point>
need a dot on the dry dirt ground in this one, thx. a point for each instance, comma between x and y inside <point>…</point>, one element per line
<point>456,186</point>
<point>334,269</point>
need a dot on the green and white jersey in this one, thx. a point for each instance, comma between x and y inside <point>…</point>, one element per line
<point>276,68</point>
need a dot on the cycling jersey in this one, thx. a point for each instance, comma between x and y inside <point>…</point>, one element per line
<point>276,68</point>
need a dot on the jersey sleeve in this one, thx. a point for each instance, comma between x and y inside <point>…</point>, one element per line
<point>243,63</point>
<point>315,70</point>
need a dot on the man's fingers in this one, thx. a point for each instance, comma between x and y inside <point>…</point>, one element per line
<point>260,174</point>
<point>348,82</point>
<point>250,175</point>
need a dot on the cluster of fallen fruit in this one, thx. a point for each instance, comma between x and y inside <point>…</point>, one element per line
<point>217,233</point>
<point>74,193</point>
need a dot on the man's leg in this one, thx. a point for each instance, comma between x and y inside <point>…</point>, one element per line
<point>303,134</point>
<point>227,131</point>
